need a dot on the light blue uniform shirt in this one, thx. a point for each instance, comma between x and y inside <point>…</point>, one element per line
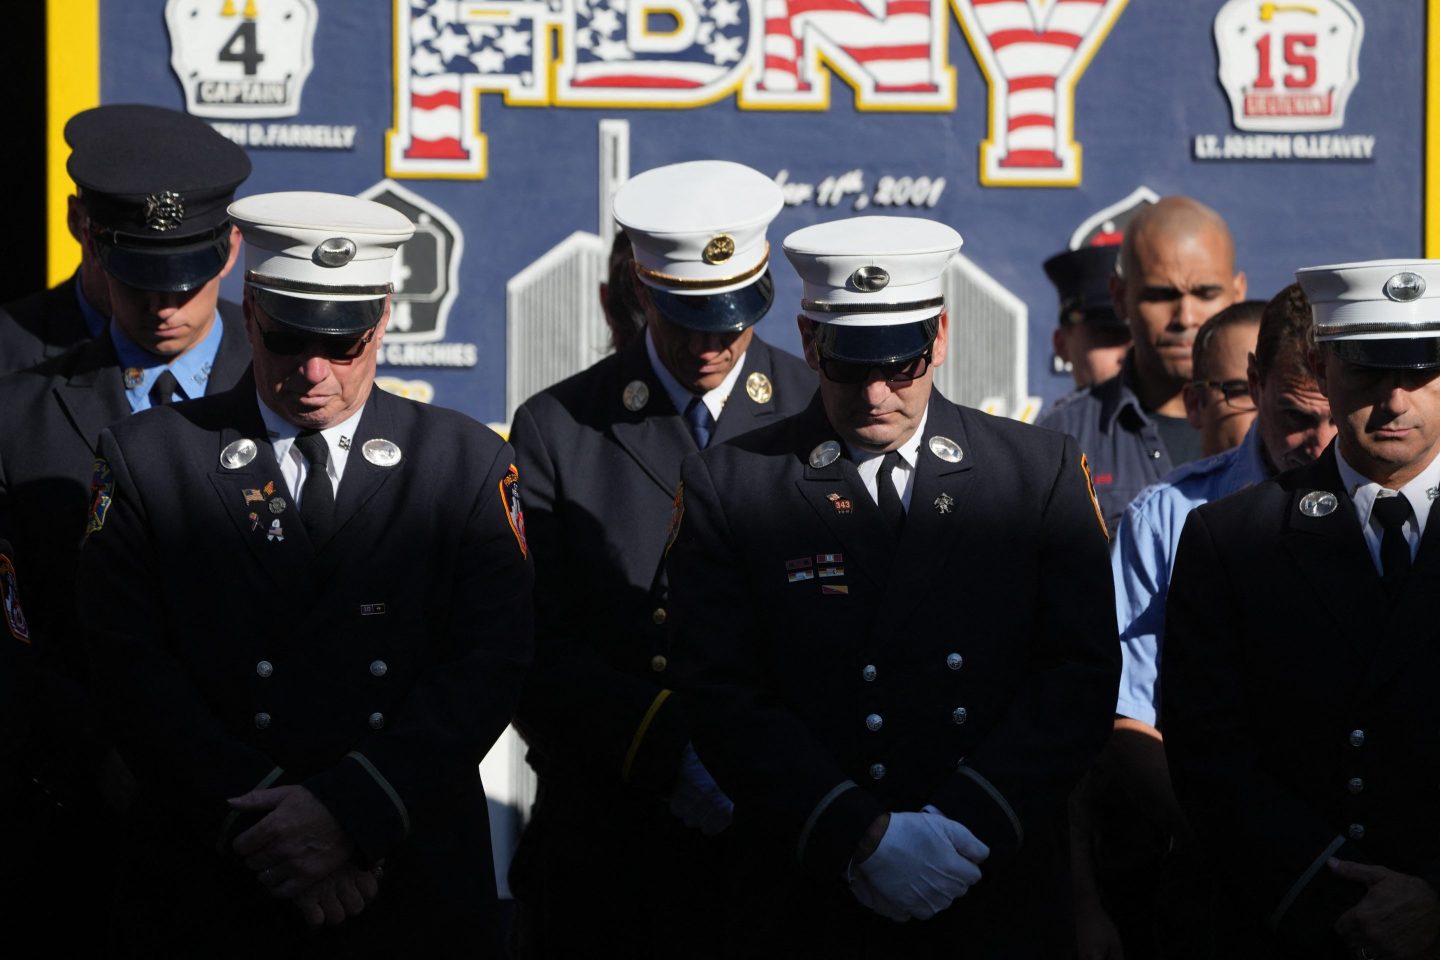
<point>191,368</point>
<point>1143,557</point>
<point>95,321</point>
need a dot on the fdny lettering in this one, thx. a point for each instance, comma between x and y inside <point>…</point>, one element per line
<point>768,54</point>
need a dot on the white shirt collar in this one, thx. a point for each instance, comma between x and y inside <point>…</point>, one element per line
<point>679,395</point>
<point>1421,491</point>
<point>282,434</point>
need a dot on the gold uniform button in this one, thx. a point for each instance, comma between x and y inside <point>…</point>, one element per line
<point>658,663</point>
<point>659,615</point>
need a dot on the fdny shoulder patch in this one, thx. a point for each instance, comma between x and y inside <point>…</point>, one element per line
<point>10,597</point>
<point>1090,487</point>
<point>510,499</point>
<point>102,491</point>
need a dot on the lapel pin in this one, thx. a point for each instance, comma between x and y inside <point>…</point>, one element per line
<point>824,455</point>
<point>382,453</point>
<point>758,388</point>
<point>1318,503</point>
<point>842,504</point>
<point>344,443</point>
<point>946,449</point>
<point>254,521</point>
<point>252,496</point>
<point>277,532</point>
<point>1432,493</point>
<point>269,488</point>
<point>134,376</point>
<point>636,395</point>
<point>238,454</point>
<point>277,504</point>
<point>944,503</point>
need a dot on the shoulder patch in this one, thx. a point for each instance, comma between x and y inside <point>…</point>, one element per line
<point>102,491</point>
<point>510,500</point>
<point>1090,488</point>
<point>10,597</point>
<point>677,513</point>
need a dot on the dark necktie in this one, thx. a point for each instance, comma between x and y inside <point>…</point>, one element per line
<point>162,392</point>
<point>889,498</point>
<point>698,419</point>
<point>1392,512</point>
<point>317,496</point>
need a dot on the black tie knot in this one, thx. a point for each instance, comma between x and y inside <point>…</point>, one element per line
<point>313,448</point>
<point>162,392</point>
<point>886,495</point>
<point>1392,512</point>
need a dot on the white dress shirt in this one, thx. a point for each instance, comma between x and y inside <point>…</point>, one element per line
<point>868,465</point>
<point>1363,491</point>
<point>293,465</point>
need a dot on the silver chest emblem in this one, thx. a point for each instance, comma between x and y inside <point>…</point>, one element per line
<point>946,449</point>
<point>238,454</point>
<point>825,454</point>
<point>382,453</point>
<point>1318,503</point>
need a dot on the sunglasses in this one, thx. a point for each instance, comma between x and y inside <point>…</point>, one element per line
<point>896,371</point>
<point>286,343</point>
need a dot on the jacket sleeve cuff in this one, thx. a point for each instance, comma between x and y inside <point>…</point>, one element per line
<point>367,806</point>
<point>834,829</point>
<point>968,798</point>
<point>653,755</point>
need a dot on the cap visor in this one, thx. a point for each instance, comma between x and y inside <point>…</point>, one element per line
<point>1101,313</point>
<point>167,269</point>
<point>1412,353</point>
<point>728,312</point>
<point>856,344</point>
<point>323,318</point>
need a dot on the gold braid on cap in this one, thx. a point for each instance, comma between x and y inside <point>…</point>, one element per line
<point>687,283</point>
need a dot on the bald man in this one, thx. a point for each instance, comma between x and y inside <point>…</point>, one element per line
<point>1177,270</point>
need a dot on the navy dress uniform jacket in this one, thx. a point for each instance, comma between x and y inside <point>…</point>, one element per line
<point>1299,704</point>
<point>605,735</point>
<point>834,674</point>
<point>376,668</point>
<point>39,326</point>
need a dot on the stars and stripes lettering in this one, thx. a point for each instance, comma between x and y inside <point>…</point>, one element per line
<point>768,54</point>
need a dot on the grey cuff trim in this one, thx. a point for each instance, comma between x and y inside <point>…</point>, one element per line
<point>1294,892</point>
<point>390,791</point>
<point>820,808</point>
<point>234,814</point>
<point>999,799</point>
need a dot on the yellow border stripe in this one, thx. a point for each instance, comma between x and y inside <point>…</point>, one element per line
<point>72,84</point>
<point>1432,129</point>
<point>640,732</point>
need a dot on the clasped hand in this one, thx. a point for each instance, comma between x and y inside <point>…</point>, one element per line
<point>300,853</point>
<point>924,862</point>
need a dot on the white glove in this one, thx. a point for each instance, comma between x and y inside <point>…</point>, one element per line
<point>924,863</point>
<point>697,799</point>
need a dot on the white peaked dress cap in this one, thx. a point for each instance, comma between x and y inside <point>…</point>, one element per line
<point>320,262</point>
<point>1377,313</point>
<point>872,283</point>
<point>698,231</point>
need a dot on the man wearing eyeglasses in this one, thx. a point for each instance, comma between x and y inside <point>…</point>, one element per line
<point>152,185</point>
<point>310,602</point>
<point>895,630</point>
<point>1217,401</point>
<point>620,784</point>
<point>1176,270</point>
<point>1146,868</point>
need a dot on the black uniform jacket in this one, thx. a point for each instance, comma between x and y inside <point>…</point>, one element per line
<point>834,674</point>
<point>39,326</point>
<point>376,668</point>
<point>50,422</point>
<point>599,483</point>
<point>1299,703</point>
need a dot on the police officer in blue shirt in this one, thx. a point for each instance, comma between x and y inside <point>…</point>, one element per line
<point>1090,338</point>
<point>154,185</point>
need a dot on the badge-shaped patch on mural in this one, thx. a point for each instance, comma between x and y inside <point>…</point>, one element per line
<point>241,59</point>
